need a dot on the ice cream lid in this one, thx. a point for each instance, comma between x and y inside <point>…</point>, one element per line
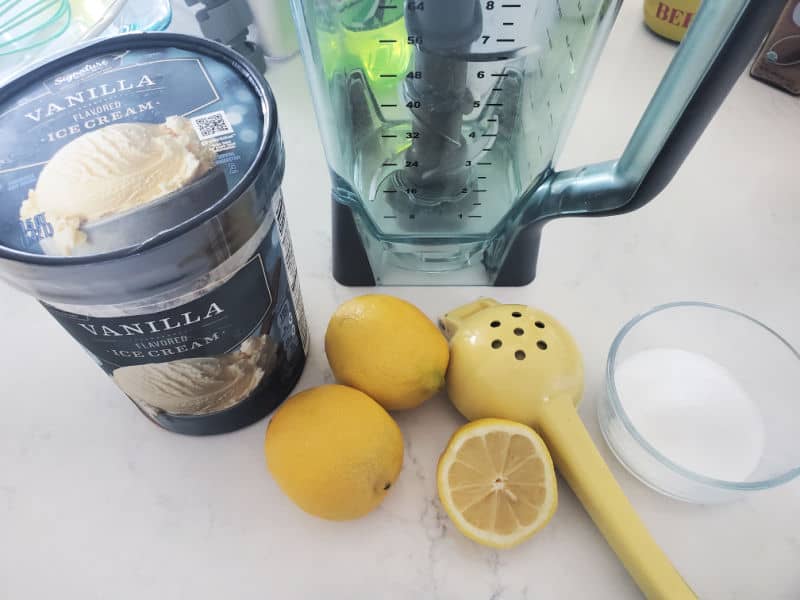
<point>125,143</point>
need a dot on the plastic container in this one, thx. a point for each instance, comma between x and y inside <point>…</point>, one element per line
<point>142,15</point>
<point>702,403</point>
<point>141,204</point>
<point>79,21</point>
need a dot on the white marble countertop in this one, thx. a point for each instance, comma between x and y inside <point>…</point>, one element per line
<point>96,502</point>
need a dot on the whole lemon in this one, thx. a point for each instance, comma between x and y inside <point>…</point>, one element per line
<point>334,451</point>
<point>388,349</point>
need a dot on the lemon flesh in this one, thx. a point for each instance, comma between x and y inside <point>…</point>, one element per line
<point>496,482</point>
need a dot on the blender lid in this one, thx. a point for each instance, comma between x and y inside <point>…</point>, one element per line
<point>127,143</point>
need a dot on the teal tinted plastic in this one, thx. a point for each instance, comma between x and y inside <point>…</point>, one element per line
<point>142,15</point>
<point>27,25</point>
<point>442,121</point>
<point>437,143</point>
<point>607,187</point>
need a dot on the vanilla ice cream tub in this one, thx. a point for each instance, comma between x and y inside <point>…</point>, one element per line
<point>140,203</point>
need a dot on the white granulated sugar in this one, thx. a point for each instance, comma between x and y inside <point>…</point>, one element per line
<point>693,411</point>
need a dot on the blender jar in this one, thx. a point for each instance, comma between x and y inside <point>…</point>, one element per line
<point>442,122</point>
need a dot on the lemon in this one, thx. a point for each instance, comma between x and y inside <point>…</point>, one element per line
<point>388,349</point>
<point>334,451</point>
<point>496,482</point>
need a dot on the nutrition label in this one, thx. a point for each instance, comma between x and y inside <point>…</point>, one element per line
<point>291,267</point>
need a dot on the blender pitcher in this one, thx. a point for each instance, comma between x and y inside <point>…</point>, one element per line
<point>442,120</point>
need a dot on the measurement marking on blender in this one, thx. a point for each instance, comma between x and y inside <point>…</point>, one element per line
<point>508,23</point>
<point>389,191</point>
<point>480,191</point>
<point>497,89</point>
<point>389,216</point>
<point>387,75</point>
<point>388,135</point>
<point>511,5</point>
<point>506,40</point>
<point>388,105</point>
<point>475,217</point>
<point>489,135</point>
<point>484,164</point>
<point>387,6</point>
<point>494,104</point>
<point>477,204</point>
<point>389,164</point>
<point>387,41</point>
<point>482,177</point>
<point>499,74</point>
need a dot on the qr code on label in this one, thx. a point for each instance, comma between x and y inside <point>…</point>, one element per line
<point>212,125</point>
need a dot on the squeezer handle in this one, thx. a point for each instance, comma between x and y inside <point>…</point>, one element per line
<point>581,465</point>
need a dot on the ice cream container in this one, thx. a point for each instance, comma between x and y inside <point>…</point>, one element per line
<point>140,203</point>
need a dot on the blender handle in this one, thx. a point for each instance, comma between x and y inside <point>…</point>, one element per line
<point>580,464</point>
<point>723,38</point>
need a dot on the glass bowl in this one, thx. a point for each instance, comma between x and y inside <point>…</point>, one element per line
<point>702,403</point>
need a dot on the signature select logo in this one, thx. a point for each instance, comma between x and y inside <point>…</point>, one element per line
<point>83,71</point>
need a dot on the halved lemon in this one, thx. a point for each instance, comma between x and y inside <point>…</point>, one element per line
<point>496,482</point>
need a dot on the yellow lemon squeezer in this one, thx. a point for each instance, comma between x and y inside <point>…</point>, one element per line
<point>515,362</point>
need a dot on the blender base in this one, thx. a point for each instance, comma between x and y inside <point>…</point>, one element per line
<point>352,268</point>
<point>350,263</point>
<point>519,266</point>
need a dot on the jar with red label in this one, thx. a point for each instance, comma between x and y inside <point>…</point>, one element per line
<point>670,18</point>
